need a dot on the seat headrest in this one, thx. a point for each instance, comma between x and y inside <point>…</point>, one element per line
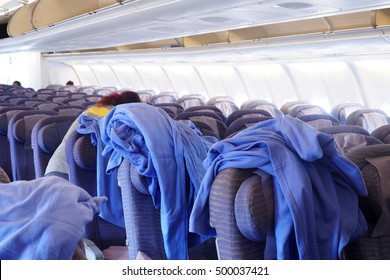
<point>139,181</point>
<point>373,161</point>
<point>250,209</point>
<point>84,153</point>
<point>51,135</point>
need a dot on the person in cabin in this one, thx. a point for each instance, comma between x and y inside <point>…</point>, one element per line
<point>57,164</point>
<point>16,84</point>
<point>69,84</point>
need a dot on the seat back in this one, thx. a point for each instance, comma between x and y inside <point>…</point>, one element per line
<point>350,137</point>
<point>20,128</point>
<point>191,100</point>
<point>69,109</point>
<point>263,105</point>
<point>142,219</point>
<point>246,113</point>
<point>46,136</point>
<point>243,123</point>
<point>240,214</point>
<point>288,105</point>
<point>211,119</point>
<point>81,157</point>
<point>374,163</point>
<point>369,119</point>
<point>304,109</point>
<point>163,97</point>
<point>382,133</point>
<point>320,120</point>
<point>342,111</point>
<point>6,114</point>
<point>224,103</point>
<point>171,108</point>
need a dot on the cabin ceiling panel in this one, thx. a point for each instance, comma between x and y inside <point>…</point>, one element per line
<point>150,20</point>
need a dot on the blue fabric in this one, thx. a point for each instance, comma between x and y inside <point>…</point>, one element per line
<point>164,151</point>
<point>43,218</point>
<point>316,189</point>
<point>107,185</point>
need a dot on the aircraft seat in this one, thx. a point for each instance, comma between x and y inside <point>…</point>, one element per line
<point>6,114</point>
<point>343,110</point>
<point>191,100</point>
<point>374,163</point>
<point>320,120</point>
<point>370,119</point>
<point>241,210</point>
<point>382,133</point>
<point>350,137</point>
<point>20,127</point>
<point>81,157</point>
<point>46,136</point>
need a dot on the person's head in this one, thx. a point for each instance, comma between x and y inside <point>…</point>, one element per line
<point>69,83</point>
<point>16,84</point>
<point>116,98</point>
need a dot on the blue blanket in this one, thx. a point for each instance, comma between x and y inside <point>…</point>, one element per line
<point>316,189</point>
<point>162,150</point>
<point>43,218</point>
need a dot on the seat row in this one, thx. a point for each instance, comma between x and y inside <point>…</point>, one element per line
<point>168,207</point>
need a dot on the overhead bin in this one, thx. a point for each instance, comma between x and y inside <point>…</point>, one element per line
<point>47,12</point>
<point>21,21</point>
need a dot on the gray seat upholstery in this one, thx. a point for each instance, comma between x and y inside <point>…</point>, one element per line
<point>374,163</point>
<point>46,136</point>
<point>20,128</point>
<point>241,211</point>
<point>382,133</point>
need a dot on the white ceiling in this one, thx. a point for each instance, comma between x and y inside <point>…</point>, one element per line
<point>149,20</point>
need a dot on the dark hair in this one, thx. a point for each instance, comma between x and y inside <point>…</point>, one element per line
<point>17,83</point>
<point>116,98</point>
<point>69,83</point>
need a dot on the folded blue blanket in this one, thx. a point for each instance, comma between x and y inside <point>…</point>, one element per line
<point>43,218</point>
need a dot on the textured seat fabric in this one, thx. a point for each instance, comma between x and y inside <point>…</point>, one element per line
<point>369,119</point>
<point>342,111</point>
<point>243,123</point>
<point>224,103</point>
<point>319,120</point>
<point>382,133</point>
<point>350,137</point>
<point>6,114</point>
<point>46,135</point>
<point>20,128</point>
<point>142,219</point>
<point>374,163</point>
<point>43,218</point>
<point>211,119</point>
<point>231,215</point>
<point>81,157</point>
<point>304,109</point>
<point>174,107</point>
<point>191,100</point>
<point>248,113</point>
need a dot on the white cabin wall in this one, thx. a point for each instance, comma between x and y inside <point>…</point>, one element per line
<point>105,75</point>
<point>24,67</point>
<point>375,81</point>
<point>86,75</point>
<point>186,79</point>
<point>57,73</point>
<point>264,81</point>
<point>127,77</point>
<point>323,82</point>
